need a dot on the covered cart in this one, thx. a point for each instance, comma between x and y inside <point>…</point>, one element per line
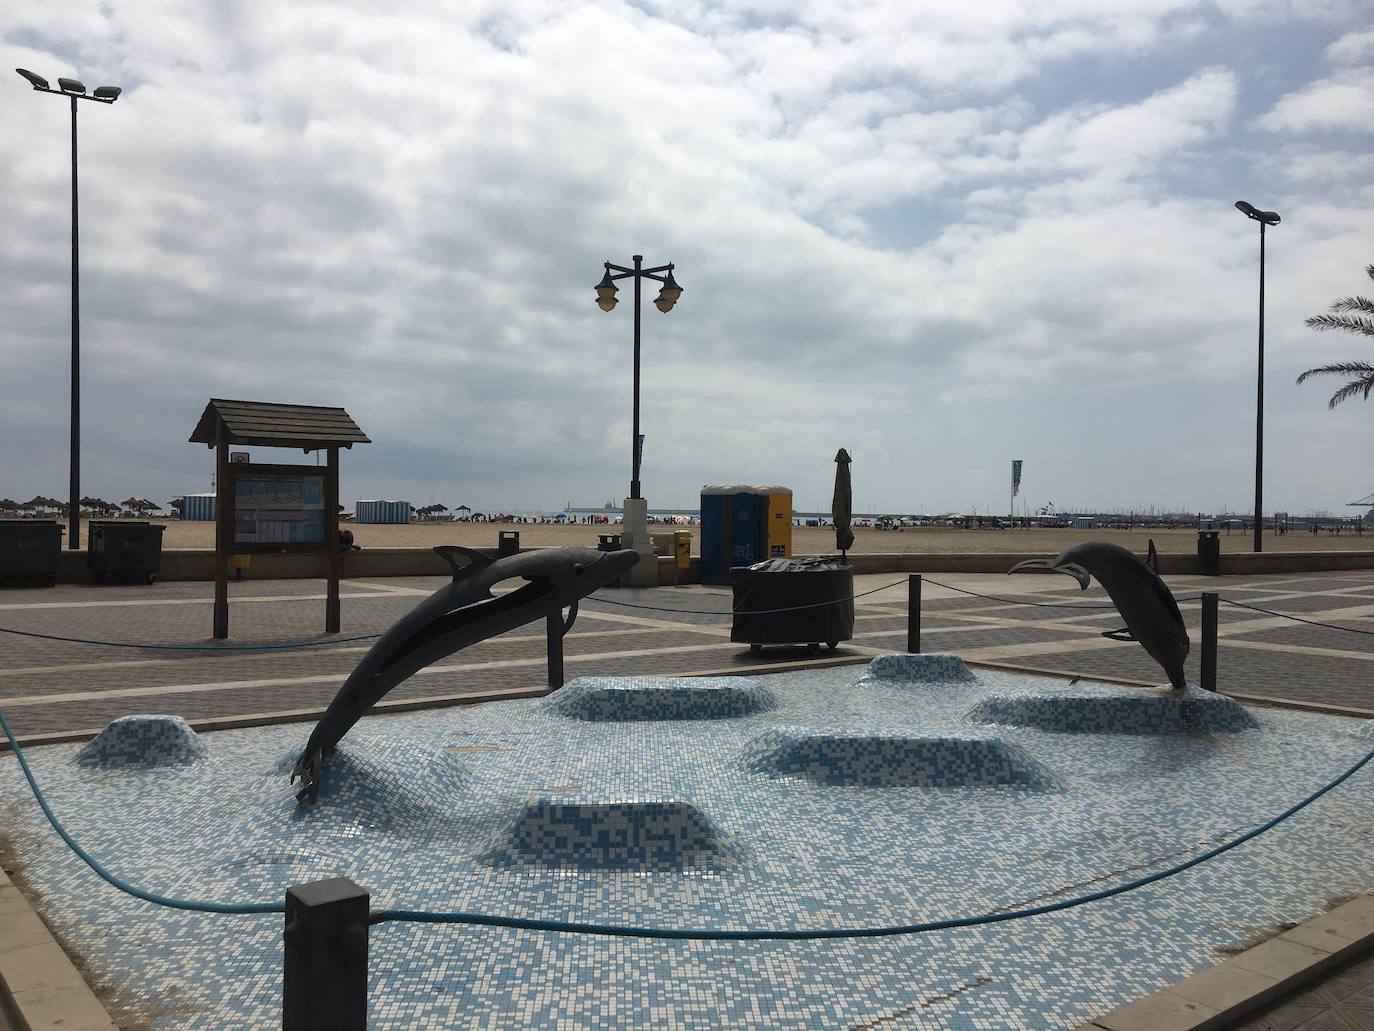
<point>806,601</point>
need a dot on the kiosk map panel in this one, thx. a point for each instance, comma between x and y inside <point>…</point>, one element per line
<point>274,508</point>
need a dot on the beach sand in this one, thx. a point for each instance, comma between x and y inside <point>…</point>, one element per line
<point>806,540</point>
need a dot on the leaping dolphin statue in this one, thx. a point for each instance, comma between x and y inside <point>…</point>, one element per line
<point>454,617</point>
<point>1145,603</point>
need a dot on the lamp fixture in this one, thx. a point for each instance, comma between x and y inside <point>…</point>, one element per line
<point>605,292</point>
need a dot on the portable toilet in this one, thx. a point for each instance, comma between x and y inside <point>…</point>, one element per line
<point>778,522</point>
<point>733,528</point>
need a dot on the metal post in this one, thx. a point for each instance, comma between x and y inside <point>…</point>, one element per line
<point>634,432</point>
<point>74,486</point>
<point>1259,411</point>
<point>913,613</point>
<point>324,983</point>
<point>554,629</point>
<point>1209,641</point>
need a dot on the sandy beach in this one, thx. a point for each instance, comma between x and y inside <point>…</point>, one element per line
<point>806,540</point>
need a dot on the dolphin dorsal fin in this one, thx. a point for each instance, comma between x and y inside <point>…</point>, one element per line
<point>475,559</point>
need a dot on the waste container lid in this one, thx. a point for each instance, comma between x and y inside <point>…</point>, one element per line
<point>808,564</point>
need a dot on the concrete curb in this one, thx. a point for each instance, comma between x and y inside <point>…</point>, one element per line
<point>39,986</point>
<point>1218,997</point>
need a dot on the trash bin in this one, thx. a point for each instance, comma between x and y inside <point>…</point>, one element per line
<point>125,550</point>
<point>1209,553</point>
<point>608,542</point>
<point>801,587</point>
<point>683,549</point>
<point>29,549</point>
<point>507,543</point>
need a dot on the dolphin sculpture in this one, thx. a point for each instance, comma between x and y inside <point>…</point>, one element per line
<point>1145,603</point>
<point>454,617</point>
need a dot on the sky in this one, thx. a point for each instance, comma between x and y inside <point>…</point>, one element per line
<point>942,235</point>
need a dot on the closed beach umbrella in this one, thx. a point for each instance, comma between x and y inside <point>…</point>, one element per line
<point>842,504</point>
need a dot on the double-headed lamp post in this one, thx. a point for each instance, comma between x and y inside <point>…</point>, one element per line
<point>75,90</point>
<point>605,300</point>
<point>1264,218</point>
<point>635,525</point>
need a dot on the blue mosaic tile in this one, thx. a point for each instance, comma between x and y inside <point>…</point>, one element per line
<point>146,741</point>
<point>660,698</point>
<point>930,668</point>
<point>1103,710</point>
<point>417,808</point>
<point>873,760</point>
<point>586,833</point>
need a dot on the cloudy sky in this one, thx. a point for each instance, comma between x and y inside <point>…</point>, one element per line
<point>942,234</point>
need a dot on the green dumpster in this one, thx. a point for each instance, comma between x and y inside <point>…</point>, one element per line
<point>125,549</point>
<point>29,549</point>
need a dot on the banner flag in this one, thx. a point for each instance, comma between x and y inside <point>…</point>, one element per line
<point>639,450</point>
<point>1015,477</point>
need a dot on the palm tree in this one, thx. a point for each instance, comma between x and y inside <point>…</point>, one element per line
<point>1354,315</point>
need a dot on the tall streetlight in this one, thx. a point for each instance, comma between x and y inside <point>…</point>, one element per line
<point>1264,218</point>
<point>635,524</point>
<point>75,90</point>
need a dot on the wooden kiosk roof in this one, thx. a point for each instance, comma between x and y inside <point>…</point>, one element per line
<point>308,427</point>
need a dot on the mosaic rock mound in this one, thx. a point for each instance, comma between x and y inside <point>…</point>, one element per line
<point>386,784</point>
<point>612,699</point>
<point>880,761</point>
<point>143,742</point>
<point>935,668</point>
<point>1102,711</point>
<point>590,834</point>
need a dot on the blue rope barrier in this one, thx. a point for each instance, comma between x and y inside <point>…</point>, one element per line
<point>189,647</point>
<point>670,933</point>
<point>122,885</point>
<point>1296,619</point>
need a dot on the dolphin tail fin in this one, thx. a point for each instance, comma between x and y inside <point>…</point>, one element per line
<point>451,553</point>
<point>1152,558</point>
<point>1124,634</point>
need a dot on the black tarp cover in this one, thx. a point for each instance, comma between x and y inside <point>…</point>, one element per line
<point>788,583</point>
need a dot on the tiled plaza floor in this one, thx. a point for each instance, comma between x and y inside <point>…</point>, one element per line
<point>48,686</point>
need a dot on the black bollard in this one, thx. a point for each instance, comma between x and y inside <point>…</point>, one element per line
<point>1209,641</point>
<point>913,613</point>
<point>324,983</point>
<point>554,629</point>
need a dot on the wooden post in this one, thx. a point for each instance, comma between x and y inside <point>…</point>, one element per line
<point>1209,641</point>
<point>331,536</point>
<point>913,613</point>
<point>224,538</point>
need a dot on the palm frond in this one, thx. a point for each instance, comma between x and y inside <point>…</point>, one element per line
<point>1339,369</point>
<point>1363,383</point>
<point>1349,323</point>
<point>1360,304</point>
<point>1369,271</point>
<point>1355,386</point>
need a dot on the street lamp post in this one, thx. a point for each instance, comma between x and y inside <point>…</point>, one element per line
<point>1264,218</point>
<point>635,528</point>
<point>74,90</point>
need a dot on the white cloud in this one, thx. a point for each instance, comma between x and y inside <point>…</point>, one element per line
<point>1351,48</point>
<point>883,215</point>
<point>1343,101</point>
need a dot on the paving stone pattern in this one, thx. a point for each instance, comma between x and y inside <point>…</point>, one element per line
<point>48,686</point>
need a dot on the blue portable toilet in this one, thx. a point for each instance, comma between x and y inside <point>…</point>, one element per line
<point>733,529</point>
